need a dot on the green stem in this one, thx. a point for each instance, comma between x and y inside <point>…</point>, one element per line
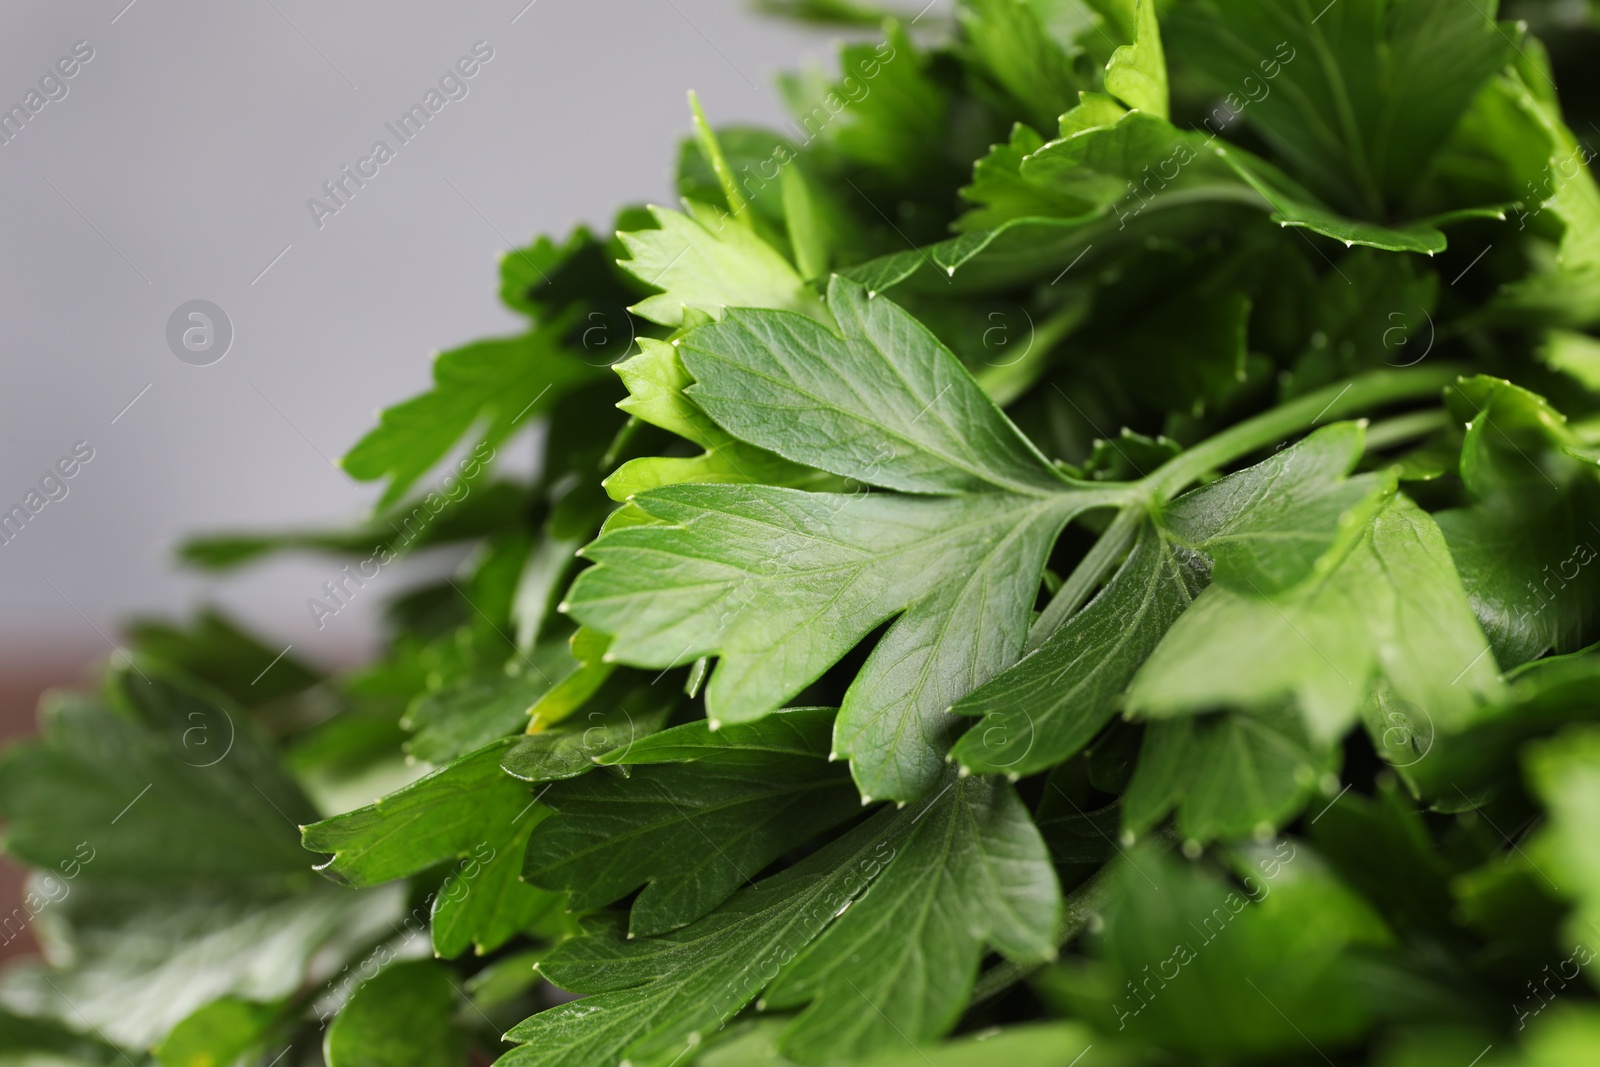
<point>1334,402</point>
<point>1329,404</point>
<point>1089,572</point>
<point>1402,428</point>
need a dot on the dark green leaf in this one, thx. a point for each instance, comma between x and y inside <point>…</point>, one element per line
<point>1192,963</point>
<point>576,745</point>
<point>170,783</point>
<point>653,998</point>
<point>494,701</point>
<point>1358,96</point>
<point>690,832</point>
<point>1230,775</point>
<point>899,964</point>
<point>446,815</point>
<point>219,653</point>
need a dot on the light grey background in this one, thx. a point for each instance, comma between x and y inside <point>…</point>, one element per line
<point>178,167</point>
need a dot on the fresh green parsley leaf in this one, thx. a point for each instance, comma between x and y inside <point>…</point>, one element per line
<point>1137,73</point>
<point>1228,775</point>
<point>1384,604</point>
<point>1358,97</point>
<point>651,999</point>
<point>899,964</point>
<point>142,958</point>
<point>702,815</point>
<point>960,570</point>
<point>177,770</point>
<point>456,811</point>
<point>498,383</point>
<point>708,261</point>
<point>1260,530</point>
<point>401,1015</point>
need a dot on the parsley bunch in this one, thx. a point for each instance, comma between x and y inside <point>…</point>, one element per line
<point>1081,549</point>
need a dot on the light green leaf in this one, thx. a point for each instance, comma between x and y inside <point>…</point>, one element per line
<point>579,680</point>
<point>1030,1045</point>
<point>1385,604</point>
<point>1137,73</point>
<point>1565,773</point>
<point>1563,184</point>
<point>706,261</point>
<point>881,401</point>
<point>218,1035</point>
<point>1002,193</point>
<point>1283,925</point>
<point>1569,1035</point>
<point>656,380</point>
<point>1267,527</point>
<point>711,151</point>
<point>401,1015</point>
<point>1120,16</point>
<point>780,584</point>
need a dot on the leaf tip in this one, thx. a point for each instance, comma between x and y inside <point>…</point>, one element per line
<point>866,798</point>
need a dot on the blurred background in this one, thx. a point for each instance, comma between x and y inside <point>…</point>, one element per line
<point>175,165</point>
